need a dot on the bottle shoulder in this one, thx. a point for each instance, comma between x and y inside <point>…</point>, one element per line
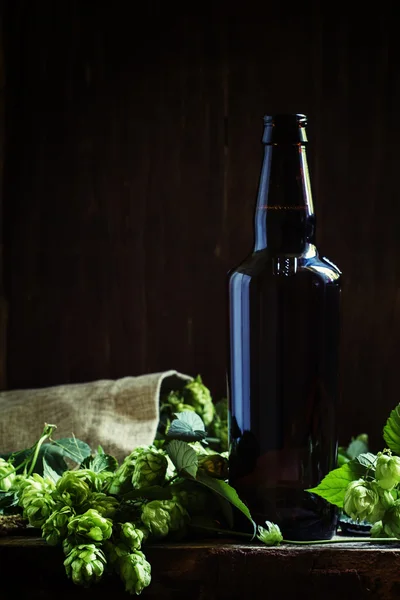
<point>310,263</point>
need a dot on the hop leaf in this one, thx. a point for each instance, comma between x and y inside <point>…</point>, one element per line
<point>391,431</point>
<point>90,526</point>
<point>334,485</point>
<point>187,426</point>
<point>196,499</point>
<point>214,465</point>
<point>85,564</point>
<point>271,535</point>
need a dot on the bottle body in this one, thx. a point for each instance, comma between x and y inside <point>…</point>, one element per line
<point>284,311</point>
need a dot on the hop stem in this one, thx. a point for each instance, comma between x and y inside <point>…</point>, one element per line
<point>341,540</point>
<point>47,433</point>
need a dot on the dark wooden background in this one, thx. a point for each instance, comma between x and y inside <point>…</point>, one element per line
<point>132,154</point>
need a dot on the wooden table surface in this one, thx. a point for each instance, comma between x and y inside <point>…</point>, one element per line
<point>215,569</point>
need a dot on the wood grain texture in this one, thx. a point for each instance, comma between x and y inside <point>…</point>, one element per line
<point>214,570</point>
<point>3,302</point>
<point>132,162</point>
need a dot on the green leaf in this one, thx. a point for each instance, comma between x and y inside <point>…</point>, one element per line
<point>366,460</point>
<point>363,464</point>
<point>17,458</point>
<point>227,510</point>
<point>100,462</point>
<point>356,447</point>
<point>187,426</point>
<point>184,457</point>
<point>342,458</point>
<point>49,452</point>
<point>206,525</point>
<point>391,431</point>
<point>9,503</point>
<point>226,491</point>
<point>333,487</point>
<point>191,418</point>
<point>74,449</point>
<point>54,458</point>
<point>49,472</point>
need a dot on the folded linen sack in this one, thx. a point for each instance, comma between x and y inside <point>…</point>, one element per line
<point>116,414</point>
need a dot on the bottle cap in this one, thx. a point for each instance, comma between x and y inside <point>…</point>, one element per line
<point>286,129</point>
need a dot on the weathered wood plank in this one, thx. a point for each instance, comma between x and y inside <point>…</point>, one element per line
<point>216,570</point>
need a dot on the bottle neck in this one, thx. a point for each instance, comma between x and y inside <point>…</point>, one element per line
<point>284,216</point>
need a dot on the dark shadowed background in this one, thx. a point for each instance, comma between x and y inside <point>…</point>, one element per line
<point>131,150</point>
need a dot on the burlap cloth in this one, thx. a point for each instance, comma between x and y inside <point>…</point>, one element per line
<point>116,414</point>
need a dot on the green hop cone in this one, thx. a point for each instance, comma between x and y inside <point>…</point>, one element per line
<point>85,564</point>
<point>122,478</point>
<point>38,510</point>
<point>71,490</point>
<point>96,481</point>
<point>271,535</point>
<point>162,516</point>
<point>135,572</point>
<point>219,426</point>
<point>36,499</point>
<point>132,535</point>
<point>20,482</point>
<point>377,530</point>
<point>90,527</point>
<point>198,395</point>
<point>68,544</point>
<point>362,501</point>
<point>179,515</point>
<point>150,468</point>
<point>7,475</point>
<point>156,518</point>
<point>104,504</point>
<point>173,400</point>
<point>104,479</point>
<point>55,528</point>
<point>391,520</point>
<point>115,552</point>
<point>385,496</point>
<point>387,470</point>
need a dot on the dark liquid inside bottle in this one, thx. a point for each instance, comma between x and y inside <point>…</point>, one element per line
<point>284,304</point>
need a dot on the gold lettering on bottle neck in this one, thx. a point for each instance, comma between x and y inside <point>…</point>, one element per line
<point>267,207</point>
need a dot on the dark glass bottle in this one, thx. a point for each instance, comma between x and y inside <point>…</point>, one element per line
<point>284,312</point>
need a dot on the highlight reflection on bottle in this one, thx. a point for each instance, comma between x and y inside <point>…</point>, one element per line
<point>284,311</point>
